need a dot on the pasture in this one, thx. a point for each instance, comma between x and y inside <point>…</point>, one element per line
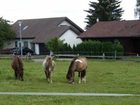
<point>103,76</point>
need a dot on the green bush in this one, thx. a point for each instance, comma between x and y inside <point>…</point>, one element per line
<point>87,47</point>
<point>118,48</point>
<point>107,48</point>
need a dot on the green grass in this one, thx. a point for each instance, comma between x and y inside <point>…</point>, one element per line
<point>42,100</point>
<point>103,76</point>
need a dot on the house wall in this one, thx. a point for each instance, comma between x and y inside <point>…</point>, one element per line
<point>37,50</point>
<point>16,43</point>
<point>70,38</point>
<point>9,44</point>
<point>25,43</point>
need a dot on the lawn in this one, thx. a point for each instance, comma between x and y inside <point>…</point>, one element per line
<point>103,76</point>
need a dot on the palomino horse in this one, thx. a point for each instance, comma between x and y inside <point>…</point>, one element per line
<point>48,65</point>
<point>78,64</point>
<point>17,66</point>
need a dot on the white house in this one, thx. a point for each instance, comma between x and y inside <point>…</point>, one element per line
<point>36,32</point>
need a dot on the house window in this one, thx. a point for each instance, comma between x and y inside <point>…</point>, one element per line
<point>19,44</point>
<point>25,43</point>
<point>16,44</point>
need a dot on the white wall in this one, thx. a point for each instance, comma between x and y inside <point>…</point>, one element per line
<point>70,38</point>
<point>11,44</point>
<point>37,49</point>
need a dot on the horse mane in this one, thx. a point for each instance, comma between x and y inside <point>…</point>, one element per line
<point>48,62</point>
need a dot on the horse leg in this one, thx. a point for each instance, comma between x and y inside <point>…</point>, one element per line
<point>79,75</point>
<point>83,76</point>
<point>72,78</point>
<point>50,77</point>
<point>16,74</point>
<point>21,76</point>
<point>46,73</point>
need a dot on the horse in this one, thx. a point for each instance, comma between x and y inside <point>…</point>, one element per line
<point>48,65</point>
<point>78,64</point>
<point>17,66</point>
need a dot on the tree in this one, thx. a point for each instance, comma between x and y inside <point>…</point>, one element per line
<point>6,32</point>
<point>103,10</point>
<point>137,10</point>
<point>54,44</point>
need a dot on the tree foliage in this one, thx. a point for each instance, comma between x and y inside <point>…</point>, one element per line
<point>137,10</point>
<point>103,10</point>
<point>6,32</point>
<point>57,45</point>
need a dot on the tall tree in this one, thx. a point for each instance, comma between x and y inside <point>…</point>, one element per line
<point>103,10</point>
<point>137,10</point>
<point>6,32</point>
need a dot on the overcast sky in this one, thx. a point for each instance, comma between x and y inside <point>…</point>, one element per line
<point>73,9</point>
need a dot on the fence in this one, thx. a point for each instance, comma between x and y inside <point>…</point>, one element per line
<point>104,55</point>
<point>91,54</point>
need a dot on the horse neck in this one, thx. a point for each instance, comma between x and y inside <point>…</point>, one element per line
<point>70,70</point>
<point>72,62</point>
<point>49,62</point>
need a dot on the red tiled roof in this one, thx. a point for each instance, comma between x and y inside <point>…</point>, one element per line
<point>129,28</point>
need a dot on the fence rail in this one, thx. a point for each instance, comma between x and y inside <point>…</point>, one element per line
<point>65,56</point>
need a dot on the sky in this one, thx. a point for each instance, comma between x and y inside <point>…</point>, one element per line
<point>14,10</point>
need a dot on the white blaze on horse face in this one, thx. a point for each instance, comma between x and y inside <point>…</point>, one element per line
<point>78,60</point>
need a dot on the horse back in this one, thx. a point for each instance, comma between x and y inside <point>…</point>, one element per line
<point>17,63</point>
<point>81,64</point>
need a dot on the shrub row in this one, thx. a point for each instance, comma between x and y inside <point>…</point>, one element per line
<point>87,48</point>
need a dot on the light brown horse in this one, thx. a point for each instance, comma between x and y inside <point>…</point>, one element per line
<point>78,64</point>
<point>17,66</point>
<point>48,65</point>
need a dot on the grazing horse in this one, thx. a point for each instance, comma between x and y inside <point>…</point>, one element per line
<point>17,66</point>
<point>48,65</point>
<point>78,64</point>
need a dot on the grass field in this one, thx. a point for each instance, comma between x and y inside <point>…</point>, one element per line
<point>103,76</point>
